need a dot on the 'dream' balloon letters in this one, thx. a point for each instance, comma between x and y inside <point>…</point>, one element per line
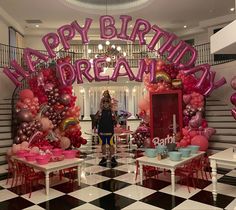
<point>81,69</point>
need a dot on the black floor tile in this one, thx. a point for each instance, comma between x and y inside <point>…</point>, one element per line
<point>154,184</point>
<point>21,190</point>
<point>223,170</point>
<point>64,202</point>
<point>112,173</point>
<point>1,188</point>
<point>199,183</point>
<point>69,187</point>
<point>163,200</point>
<point>228,180</point>
<point>112,185</point>
<point>17,203</point>
<point>112,202</point>
<point>207,198</point>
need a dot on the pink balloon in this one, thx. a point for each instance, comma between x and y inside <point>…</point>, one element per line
<point>65,142</point>
<point>68,78</point>
<point>98,69</point>
<point>124,24</point>
<point>28,53</point>
<point>193,133</point>
<point>183,143</point>
<point>65,37</point>
<point>34,150</point>
<point>233,99</point>
<point>233,83</point>
<point>26,94</point>
<point>201,141</point>
<point>186,98</point>
<point>196,120</point>
<point>147,68</point>
<point>46,124</point>
<point>51,41</point>
<point>146,27</point>
<point>107,27</point>
<point>83,67</point>
<point>25,144</point>
<point>83,30</point>
<point>9,152</point>
<point>233,112</point>
<point>208,132</point>
<point>122,62</point>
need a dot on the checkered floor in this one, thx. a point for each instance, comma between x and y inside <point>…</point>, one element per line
<point>116,188</point>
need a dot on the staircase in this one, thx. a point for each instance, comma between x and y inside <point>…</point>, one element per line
<point>218,116</point>
<point>5,132</point>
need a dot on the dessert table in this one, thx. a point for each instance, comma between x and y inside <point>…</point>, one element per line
<point>54,166</point>
<point>165,163</point>
<point>226,157</point>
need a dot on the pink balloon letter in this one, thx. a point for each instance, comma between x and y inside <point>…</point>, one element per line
<point>147,68</point>
<point>98,68</point>
<point>65,77</point>
<point>83,30</point>
<point>107,27</point>
<point>140,32</point>
<point>83,67</point>
<point>66,37</point>
<point>123,31</point>
<point>122,62</point>
<point>28,53</point>
<point>51,41</point>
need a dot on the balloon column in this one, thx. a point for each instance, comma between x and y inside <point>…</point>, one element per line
<point>233,97</point>
<point>196,129</point>
<point>46,112</point>
<point>142,135</point>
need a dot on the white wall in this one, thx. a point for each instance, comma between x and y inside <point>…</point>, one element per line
<point>226,70</point>
<point>34,42</point>
<point>198,38</point>
<point>6,86</point>
<point>3,32</point>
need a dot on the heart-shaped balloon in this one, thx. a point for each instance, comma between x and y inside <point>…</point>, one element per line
<point>187,98</point>
<point>196,120</point>
<point>208,132</point>
<point>233,112</point>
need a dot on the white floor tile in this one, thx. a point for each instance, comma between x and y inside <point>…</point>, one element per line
<point>231,173</point>
<point>93,179</point>
<point>8,185</point>
<point>6,195</point>
<point>40,196</point>
<point>225,189</point>
<point>125,155</point>
<point>35,207</point>
<point>125,160</point>
<point>181,191</point>
<point>129,178</point>
<point>127,168</point>
<point>231,206</point>
<point>94,161</point>
<point>95,169</point>
<point>141,206</point>
<point>89,193</point>
<point>193,205</point>
<point>87,206</point>
<point>135,192</point>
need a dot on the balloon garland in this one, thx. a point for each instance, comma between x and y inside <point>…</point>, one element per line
<point>233,96</point>
<point>196,130</point>
<point>46,113</point>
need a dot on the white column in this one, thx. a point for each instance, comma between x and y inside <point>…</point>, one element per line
<point>131,103</point>
<point>86,104</point>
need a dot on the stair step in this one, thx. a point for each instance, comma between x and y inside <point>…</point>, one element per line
<point>5,111</point>
<point>223,141</point>
<point>3,159</point>
<point>5,123</point>
<point>7,142</point>
<point>219,118</point>
<point>218,113</point>
<point>3,169</point>
<point>220,145</point>
<point>223,137</point>
<point>217,108</point>
<point>5,106</point>
<point>5,116</point>
<point>3,150</point>
<point>229,131</point>
<point>218,103</point>
<point>222,124</point>
<point>212,99</point>
<point>213,151</point>
<point>5,128</point>
<point>5,135</point>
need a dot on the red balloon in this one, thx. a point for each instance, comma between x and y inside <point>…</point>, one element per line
<point>201,141</point>
<point>26,93</point>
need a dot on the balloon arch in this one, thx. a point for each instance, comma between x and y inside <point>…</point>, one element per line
<point>46,112</point>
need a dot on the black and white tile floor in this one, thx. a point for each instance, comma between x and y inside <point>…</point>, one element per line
<point>114,188</point>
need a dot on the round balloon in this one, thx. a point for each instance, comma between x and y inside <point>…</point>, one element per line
<point>65,99</point>
<point>24,115</point>
<point>201,141</point>
<point>233,83</point>
<point>26,93</point>
<point>65,142</point>
<point>233,99</point>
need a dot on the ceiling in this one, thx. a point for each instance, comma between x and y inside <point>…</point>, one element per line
<point>169,14</point>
